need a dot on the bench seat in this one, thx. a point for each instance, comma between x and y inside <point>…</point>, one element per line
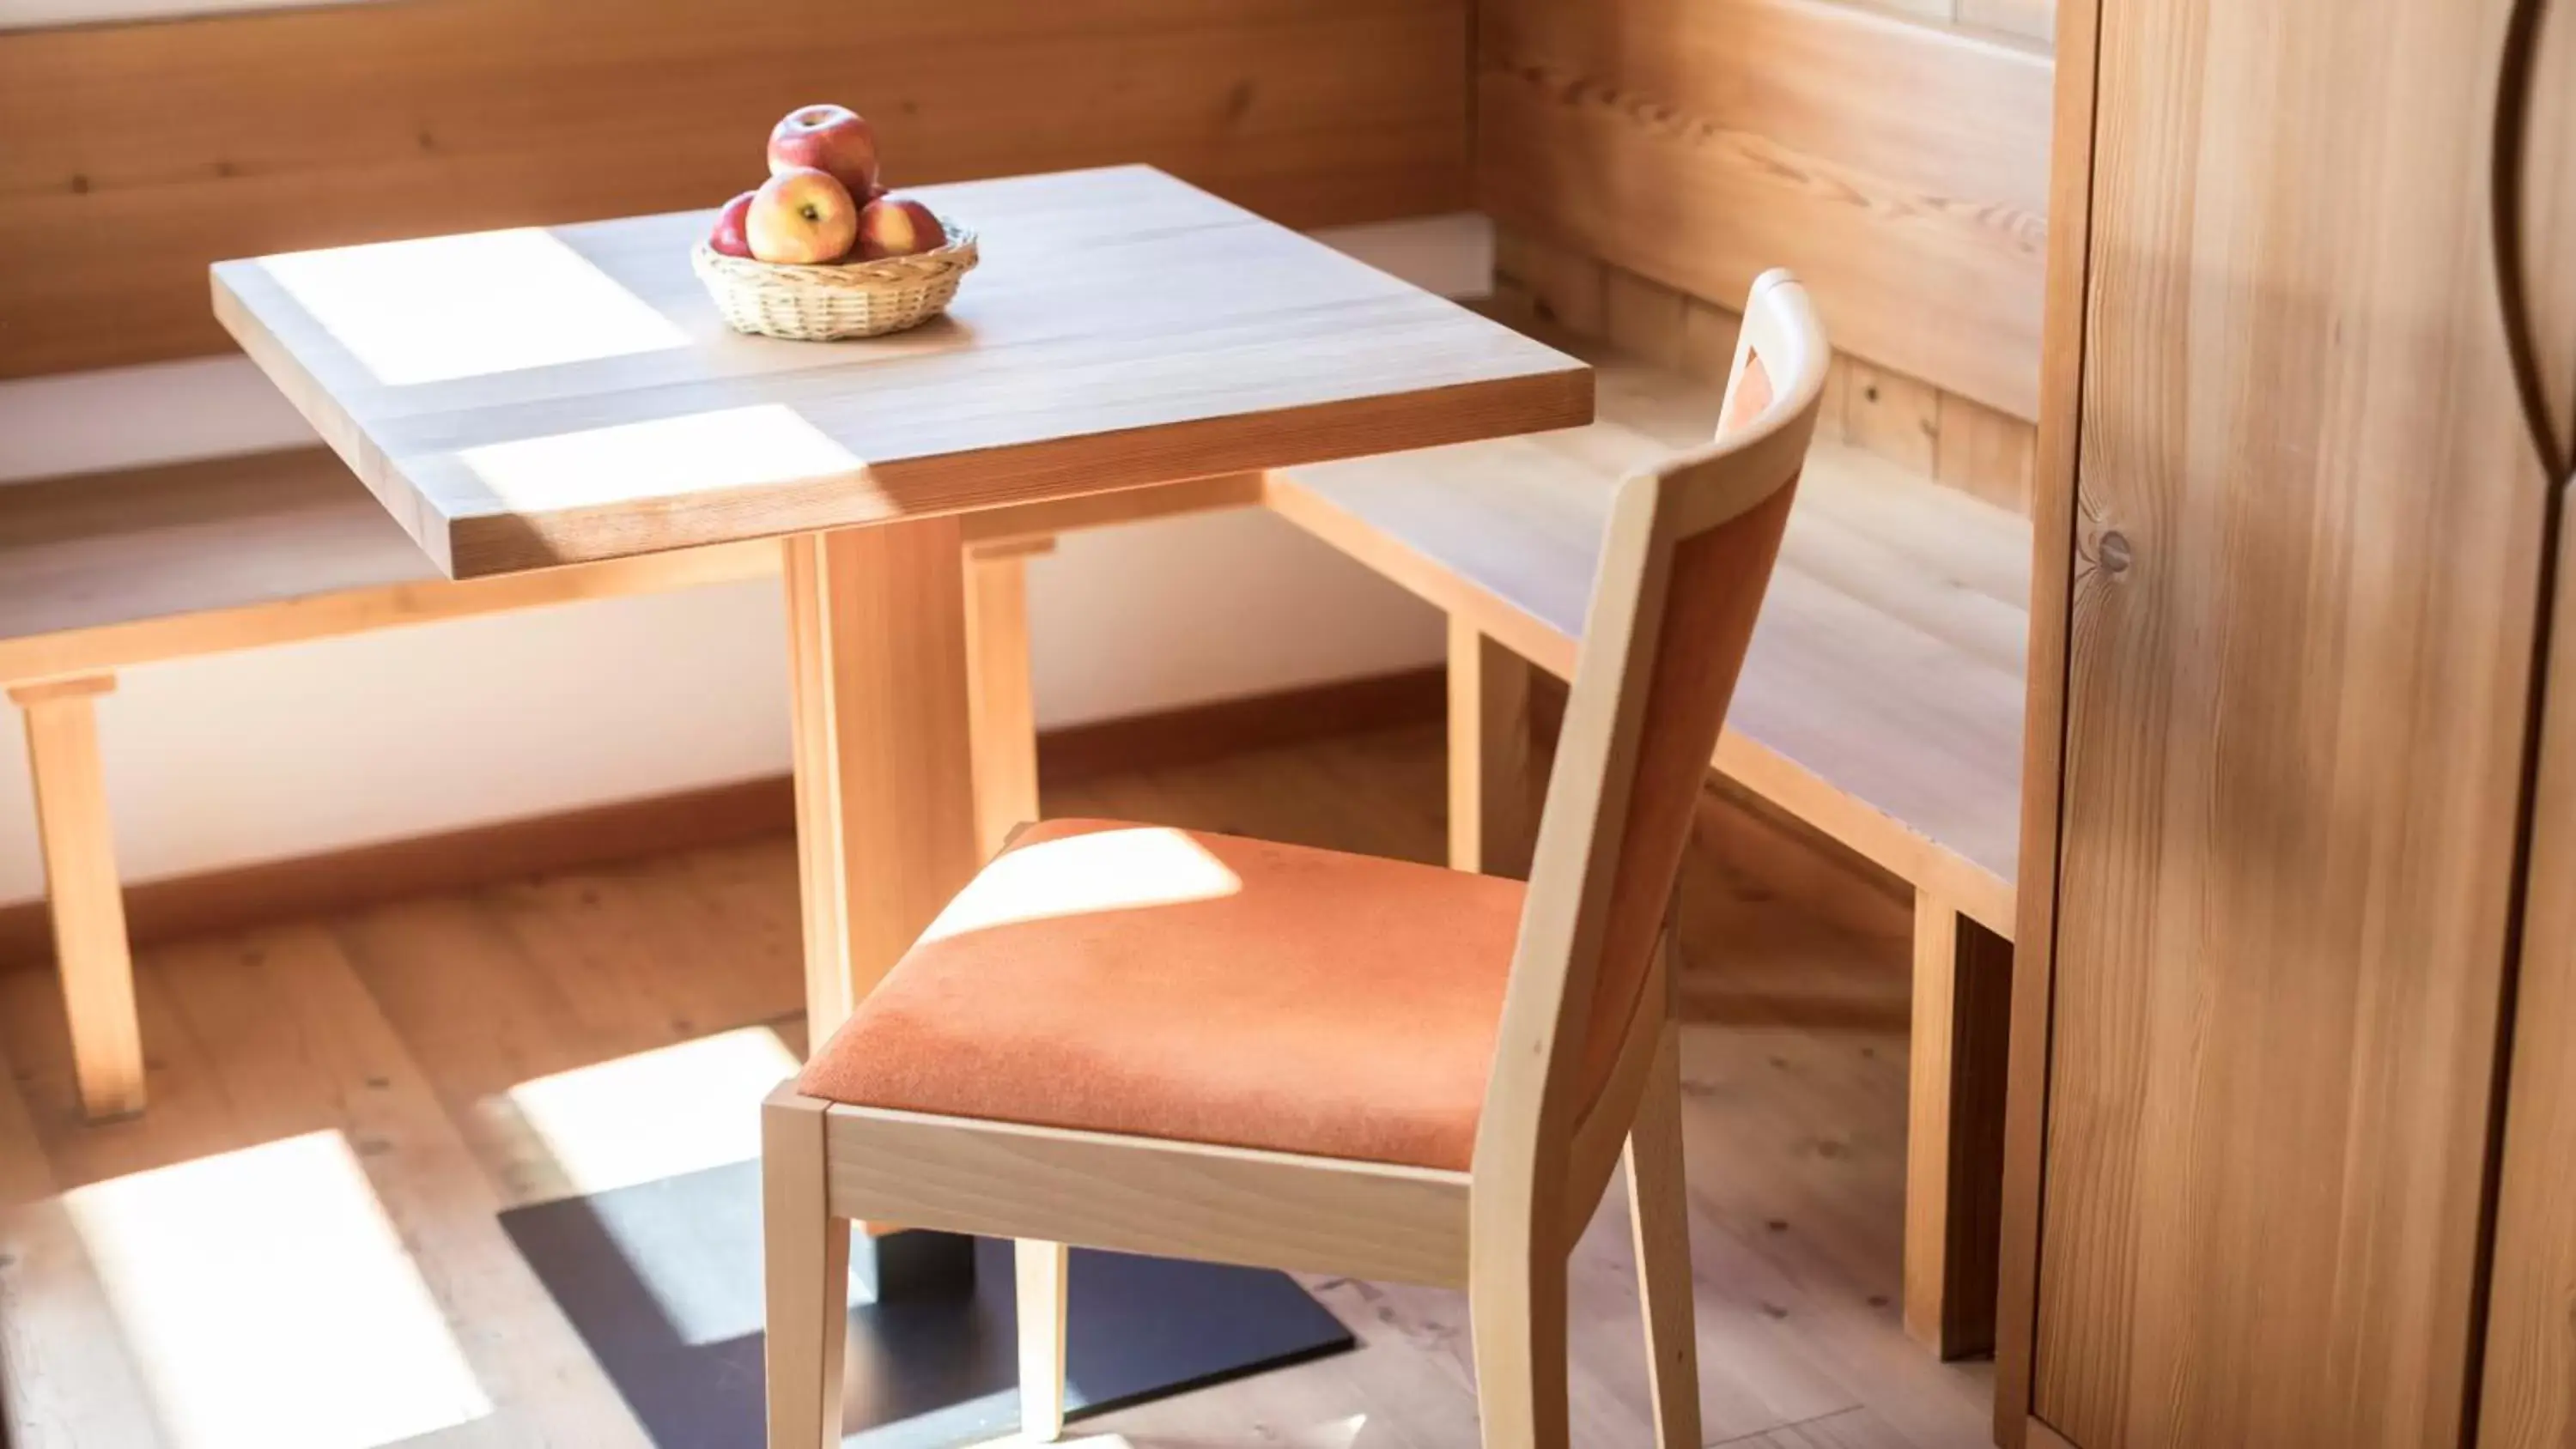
<point>184,538</point>
<point>103,571</point>
<point>1881,702</point>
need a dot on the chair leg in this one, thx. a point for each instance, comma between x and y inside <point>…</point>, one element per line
<point>1659,1221</point>
<point>1516,1302</point>
<point>806,1269</point>
<point>1041,1270</point>
<point>90,948</point>
<point>1490,824</point>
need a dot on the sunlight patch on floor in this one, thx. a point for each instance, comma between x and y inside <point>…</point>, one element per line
<point>657,1114</point>
<point>269,1303</point>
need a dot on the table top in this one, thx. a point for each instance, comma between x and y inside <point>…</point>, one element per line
<point>520,399</point>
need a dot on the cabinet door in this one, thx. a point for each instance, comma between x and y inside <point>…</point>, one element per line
<point>2529,1398</point>
<point>2530,1381</point>
<point>2299,650</point>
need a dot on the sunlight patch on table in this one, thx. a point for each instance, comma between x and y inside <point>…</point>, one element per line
<point>269,1303</point>
<point>657,1114</point>
<point>442,308</point>
<point>766,444</point>
<point>1110,870</point>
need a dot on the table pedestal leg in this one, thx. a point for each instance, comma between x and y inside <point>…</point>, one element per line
<point>885,796</point>
<point>885,792</point>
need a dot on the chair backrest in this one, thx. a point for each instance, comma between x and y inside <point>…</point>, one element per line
<point>1684,564</point>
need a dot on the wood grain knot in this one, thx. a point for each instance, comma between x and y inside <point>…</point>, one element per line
<point>2115,552</point>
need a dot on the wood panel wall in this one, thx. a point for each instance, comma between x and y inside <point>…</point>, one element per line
<point>1898,161</point>
<point>133,155</point>
<point>1941,435</point>
<point>2308,532</point>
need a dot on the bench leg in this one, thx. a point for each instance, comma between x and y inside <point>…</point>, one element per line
<point>1955,1130</point>
<point>1001,715</point>
<point>80,882</point>
<point>1490,826</point>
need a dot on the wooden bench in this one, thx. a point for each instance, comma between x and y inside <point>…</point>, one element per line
<point>1881,703</point>
<point>104,572</point>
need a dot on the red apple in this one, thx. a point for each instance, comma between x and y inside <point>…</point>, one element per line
<point>801,216</point>
<point>894,226</point>
<point>832,139</point>
<point>729,237</point>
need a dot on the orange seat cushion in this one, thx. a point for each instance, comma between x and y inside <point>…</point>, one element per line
<point>1206,988</point>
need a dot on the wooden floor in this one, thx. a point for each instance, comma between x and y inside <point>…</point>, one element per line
<point>297,1244</point>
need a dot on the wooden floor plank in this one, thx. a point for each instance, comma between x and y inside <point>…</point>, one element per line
<point>1751,1375</point>
<point>65,1377</point>
<point>187,1105</point>
<point>1796,1150</point>
<point>304,1048</point>
<point>480,1016</point>
<point>1851,1429</point>
<point>270,1039</point>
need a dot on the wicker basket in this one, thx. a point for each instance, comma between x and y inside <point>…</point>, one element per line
<point>848,299</point>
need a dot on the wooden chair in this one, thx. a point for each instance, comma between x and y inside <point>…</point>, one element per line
<point>1205,1047</point>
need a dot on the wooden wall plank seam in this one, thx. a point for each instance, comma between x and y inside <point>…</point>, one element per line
<point>1940,435</point>
<point>1900,168</point>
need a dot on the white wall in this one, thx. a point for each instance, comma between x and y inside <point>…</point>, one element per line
<point>282,752</point>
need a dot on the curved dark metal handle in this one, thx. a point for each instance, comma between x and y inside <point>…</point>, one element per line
<point>2505,208</point>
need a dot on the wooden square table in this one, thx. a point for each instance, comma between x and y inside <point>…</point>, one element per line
<point>529,398</point>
